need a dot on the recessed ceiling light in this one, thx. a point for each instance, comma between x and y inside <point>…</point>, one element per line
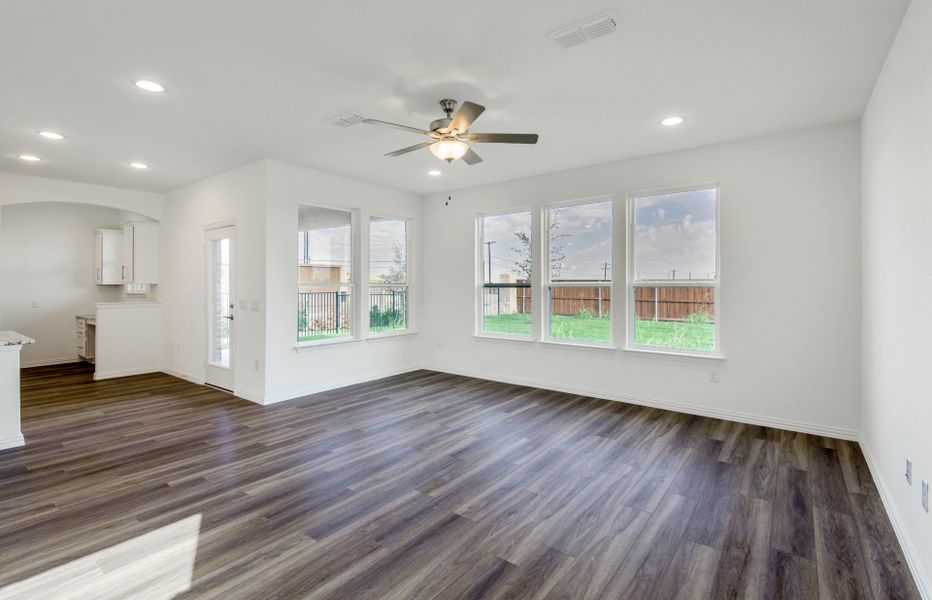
<point>434,173</point>
<point>51,135</point>
<point>671,121</point>
<point>29,158</point>
<point>149,86</point>
<point>139,165</point>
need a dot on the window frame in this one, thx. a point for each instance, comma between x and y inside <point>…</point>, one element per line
<point>480,284</point>
<point>353,284</point>
<point>546,284</point>
<point>409,276</point>
<point>631,284</point>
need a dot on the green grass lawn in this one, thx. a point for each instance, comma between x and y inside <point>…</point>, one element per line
<point>661,334</point>
<point>325,336</point>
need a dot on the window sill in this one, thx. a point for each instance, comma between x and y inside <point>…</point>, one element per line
<point>579,344</point>
<point>375,337</point>
<point>303,346</point>
<point>503,337</point>
<point>693,357</point>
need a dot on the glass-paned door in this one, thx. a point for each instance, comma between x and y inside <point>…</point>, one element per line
<point>220,254</point>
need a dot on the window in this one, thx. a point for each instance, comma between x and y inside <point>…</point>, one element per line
<point>673,270</point>
<point>388,274</point>
<point>506,260</point>
<point>579,272</point>
<point>326,273</point>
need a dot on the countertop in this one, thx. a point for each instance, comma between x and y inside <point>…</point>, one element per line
<point>14,338</point>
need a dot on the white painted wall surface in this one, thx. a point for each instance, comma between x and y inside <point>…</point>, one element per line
<point>790,306</point>
<point>10,434</point>
<point>293,373</point>
<point>235,196</point>
<point>22,189</point>
<point>128,339</point>
<point>897,258</point>
<point>47,256</point>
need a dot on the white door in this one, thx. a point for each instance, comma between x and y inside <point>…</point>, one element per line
<point>220,249</point>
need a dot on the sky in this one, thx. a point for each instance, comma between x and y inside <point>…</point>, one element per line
<point>674,233</point>
<point>332,245</point>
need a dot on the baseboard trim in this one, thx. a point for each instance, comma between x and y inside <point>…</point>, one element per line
<point>715,413</point>
<point>182,375</point>
<point>12,441</point>
<point>906,542</point>
<point>48,362</point>
<point>98,375</point>
<point>295,394</point>
<point>257,398</point>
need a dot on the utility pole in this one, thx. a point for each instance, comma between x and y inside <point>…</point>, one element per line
<point>489,246</point>
<point>674,273</point>
<point>605,272</point>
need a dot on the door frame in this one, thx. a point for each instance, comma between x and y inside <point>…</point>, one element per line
<point>205,346</point>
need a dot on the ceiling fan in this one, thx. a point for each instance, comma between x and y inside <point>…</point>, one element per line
<point>451,134</point>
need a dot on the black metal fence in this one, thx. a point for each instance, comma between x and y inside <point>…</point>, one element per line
<point>506,298</point>
<point>329,313</point>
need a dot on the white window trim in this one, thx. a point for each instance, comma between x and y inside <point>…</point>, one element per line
<point>352,284</point>
<point>715,354</point>
<point>409,285</point>
<point>480,276</point>
<point>546,284</point>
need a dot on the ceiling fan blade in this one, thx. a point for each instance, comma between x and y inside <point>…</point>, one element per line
<point>471,158</point>
<point>409,149</point>
<point>395,126</point>
<point>502,138</point>
<point>465,116</point>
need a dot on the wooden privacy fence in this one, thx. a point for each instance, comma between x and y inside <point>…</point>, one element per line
<point>574,300</point>
<point>660,303</point>
<point>673,303</point>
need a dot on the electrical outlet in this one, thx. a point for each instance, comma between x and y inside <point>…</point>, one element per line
<point>925,495</point>
<point>257,364</point>
<point>35,304</point>
<point>713,376</point>
<point>909,471</point>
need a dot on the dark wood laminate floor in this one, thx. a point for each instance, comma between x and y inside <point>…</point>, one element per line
<point>425,486</point>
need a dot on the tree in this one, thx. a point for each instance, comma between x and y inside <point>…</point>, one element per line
<point>525,266</point>
<point>398,272</point>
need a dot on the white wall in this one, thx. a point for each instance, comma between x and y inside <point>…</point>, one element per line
<point>22,189</point>
<point>292,373</point>
<point>790,305</point>
<point>235,196</point>
<point>47,257</point>
<point>897,259</point>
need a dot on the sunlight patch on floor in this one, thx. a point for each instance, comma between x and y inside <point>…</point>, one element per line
<point>153,566</point>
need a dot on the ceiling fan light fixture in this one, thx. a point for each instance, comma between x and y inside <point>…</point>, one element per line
<point>448,150</point>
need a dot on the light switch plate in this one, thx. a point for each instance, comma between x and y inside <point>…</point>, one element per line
<point>909,471</point>
<point>925,495</point>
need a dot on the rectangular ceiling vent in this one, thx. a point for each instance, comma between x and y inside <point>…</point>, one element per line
<point>346,119</point>
<point>584,30</point>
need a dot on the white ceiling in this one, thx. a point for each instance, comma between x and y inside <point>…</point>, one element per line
<point>247,79</point>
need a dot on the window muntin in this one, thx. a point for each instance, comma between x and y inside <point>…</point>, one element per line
<point>579,268</point>
<point>507,258</point>
<point>389,288</point>
<point>326,283</point>
<point>673,278</point>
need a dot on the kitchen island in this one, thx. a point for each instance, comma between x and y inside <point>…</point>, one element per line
<point>11,343</point>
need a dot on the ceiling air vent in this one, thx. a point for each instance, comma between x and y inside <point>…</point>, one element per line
<point>584,30</point>
<point>346,119</point>
<point>568,37</point>
<point>598,27</point>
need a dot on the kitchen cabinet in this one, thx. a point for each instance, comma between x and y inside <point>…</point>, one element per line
<point>108,256</point>
<point>140,253</point>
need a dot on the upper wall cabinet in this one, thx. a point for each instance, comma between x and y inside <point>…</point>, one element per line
<point>108,256</point>
<point>140,253</point>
